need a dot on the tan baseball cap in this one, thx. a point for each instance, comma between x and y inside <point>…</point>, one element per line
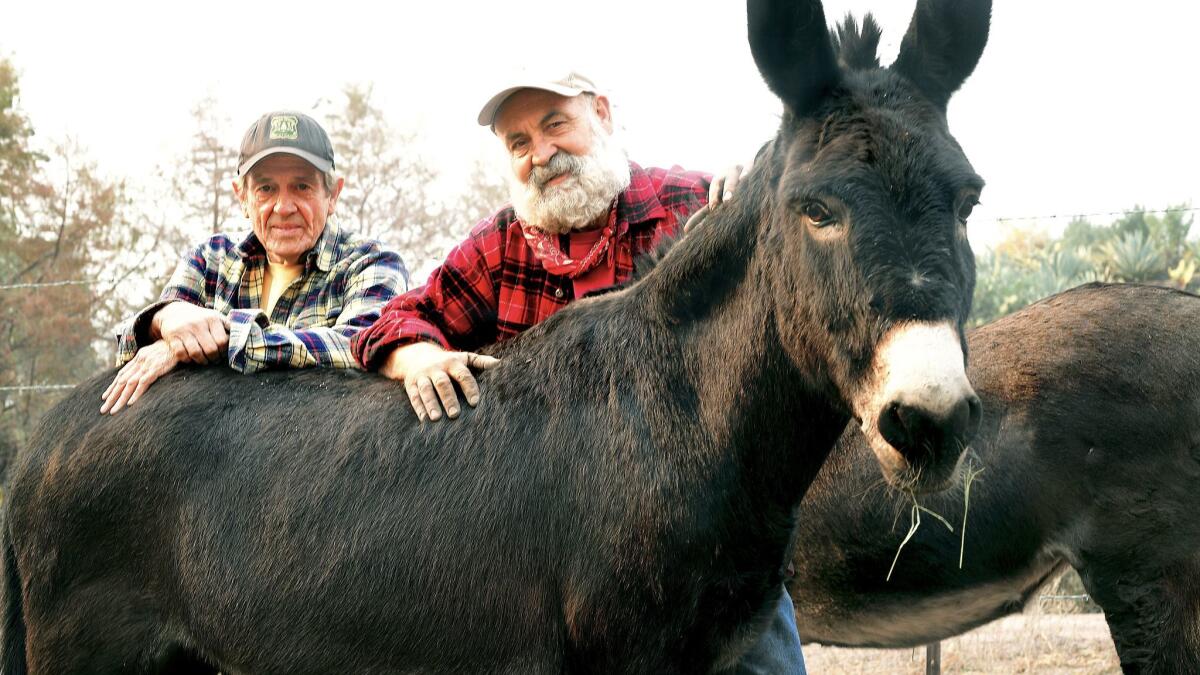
<point>570,84</point>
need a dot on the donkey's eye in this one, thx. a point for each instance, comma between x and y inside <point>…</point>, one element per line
<point>817,214</point>
<point>965,209</point>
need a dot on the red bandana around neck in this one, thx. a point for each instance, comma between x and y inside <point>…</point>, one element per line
<point>545,248</point>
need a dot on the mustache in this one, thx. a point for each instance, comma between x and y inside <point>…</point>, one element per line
<point>561,163</point>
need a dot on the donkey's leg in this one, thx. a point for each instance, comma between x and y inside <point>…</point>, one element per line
<point>1152,609</point>
<point>1138,548</point>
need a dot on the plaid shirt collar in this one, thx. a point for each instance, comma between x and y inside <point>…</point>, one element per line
<point>323,254</point>
<point>638,203</point>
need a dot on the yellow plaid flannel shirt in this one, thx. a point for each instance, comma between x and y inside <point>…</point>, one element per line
<point>347,279</point>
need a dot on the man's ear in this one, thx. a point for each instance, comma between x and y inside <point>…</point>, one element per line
<point>337,190</point>
<point>241,198</point>
<point>603,111</point>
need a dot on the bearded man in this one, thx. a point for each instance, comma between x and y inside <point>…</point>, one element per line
<point>581,213</point>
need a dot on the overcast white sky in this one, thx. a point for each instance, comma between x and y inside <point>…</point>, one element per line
<point>1076,106</point>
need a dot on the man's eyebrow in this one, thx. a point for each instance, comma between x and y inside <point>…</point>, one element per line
<point>513,135</point>
<point>550,115</point>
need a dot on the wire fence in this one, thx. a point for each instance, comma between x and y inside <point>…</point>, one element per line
<point>1073,216</point>
<point>53,284</point>
<point>37,387</point>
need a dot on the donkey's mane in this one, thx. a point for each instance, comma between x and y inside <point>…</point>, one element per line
<point>857,47</point>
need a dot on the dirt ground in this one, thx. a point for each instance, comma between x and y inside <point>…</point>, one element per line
<point>1027,643</point>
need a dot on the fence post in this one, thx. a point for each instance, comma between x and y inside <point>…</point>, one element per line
<point>933,658</point>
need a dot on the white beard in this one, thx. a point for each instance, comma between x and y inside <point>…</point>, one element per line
<point>586,194</point>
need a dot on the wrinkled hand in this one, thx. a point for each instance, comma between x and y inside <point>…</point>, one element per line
<point>429,373</point>
<point>722,187</point>
<point>150,363</point>
<point>195,334</point>
<point>720,190</point>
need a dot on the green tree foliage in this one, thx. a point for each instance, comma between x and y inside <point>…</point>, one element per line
<point>17,166</point>
<point>1133,257</point>
<point>18,163</point>
<point>63,221</point>
<point>1140,246</point>
<point>1081,233</point>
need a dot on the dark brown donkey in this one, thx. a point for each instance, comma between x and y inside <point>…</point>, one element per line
<point>623,499</point>
<point>1090,449</point>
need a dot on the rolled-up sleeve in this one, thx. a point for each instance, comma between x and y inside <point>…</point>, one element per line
<point>187,283</point>
<point>456,309</point>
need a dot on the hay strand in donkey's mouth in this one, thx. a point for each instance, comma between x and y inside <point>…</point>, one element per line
<point>970,473</point>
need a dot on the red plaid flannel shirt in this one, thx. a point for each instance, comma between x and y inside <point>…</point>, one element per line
<point>491,287</point>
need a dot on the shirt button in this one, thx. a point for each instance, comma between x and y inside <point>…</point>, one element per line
<point>558,292</point>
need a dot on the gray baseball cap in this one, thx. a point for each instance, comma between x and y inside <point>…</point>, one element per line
<point>567,84</point>
<point>288,132</point>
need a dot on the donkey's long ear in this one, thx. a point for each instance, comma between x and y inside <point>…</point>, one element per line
<point>790,43</point>
<point>943,44</point>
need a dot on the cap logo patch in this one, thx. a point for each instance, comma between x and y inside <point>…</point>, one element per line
<point>285,127</point>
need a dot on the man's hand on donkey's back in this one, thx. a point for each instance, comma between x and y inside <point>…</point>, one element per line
<point>150,363</point>
<point>429,374</point>
<point>721,189</point>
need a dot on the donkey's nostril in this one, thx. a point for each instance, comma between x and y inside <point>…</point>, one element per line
<point>974,416</point>
<point>963,421</point>
<point>893,428</point>
<point>913,430</point>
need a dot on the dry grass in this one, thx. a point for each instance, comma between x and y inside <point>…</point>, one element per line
<point>1078,644</point>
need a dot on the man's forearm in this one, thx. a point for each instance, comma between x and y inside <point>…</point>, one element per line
<point>137,332</point>
<point>374,345</point>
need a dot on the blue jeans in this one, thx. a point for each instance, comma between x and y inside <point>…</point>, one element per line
<point>777,651</point>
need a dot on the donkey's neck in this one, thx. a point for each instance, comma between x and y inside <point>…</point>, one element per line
<point>752,429</point>
<point>750,403</point>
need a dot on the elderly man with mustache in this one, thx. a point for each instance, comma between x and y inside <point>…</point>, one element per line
<point>581,213</point>
<point>289,294</point>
